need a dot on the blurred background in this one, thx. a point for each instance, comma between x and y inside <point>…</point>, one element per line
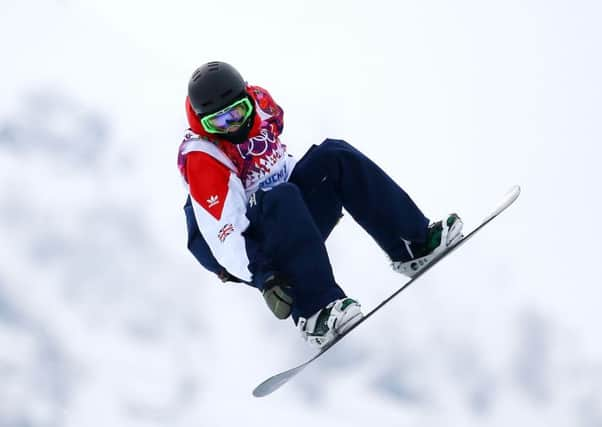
<point>107,320</point>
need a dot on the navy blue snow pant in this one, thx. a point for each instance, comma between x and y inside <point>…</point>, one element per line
<point>290,223</point>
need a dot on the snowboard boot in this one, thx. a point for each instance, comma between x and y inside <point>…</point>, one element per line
<point>335,319</point>
<point>441,236</point>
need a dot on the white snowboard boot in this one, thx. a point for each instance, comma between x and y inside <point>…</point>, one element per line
<point>441,236</point>
<point>335,319</point>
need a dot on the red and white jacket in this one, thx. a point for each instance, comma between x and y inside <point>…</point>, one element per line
<point>221,177</point>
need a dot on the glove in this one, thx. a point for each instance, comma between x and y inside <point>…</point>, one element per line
<point>278,296</point>
<point>224,276</point>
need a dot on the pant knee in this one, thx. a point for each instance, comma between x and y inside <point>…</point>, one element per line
<point>334,144</point>
<point>332,152</point>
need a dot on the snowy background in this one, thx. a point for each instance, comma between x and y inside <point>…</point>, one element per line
<point>106,320</point>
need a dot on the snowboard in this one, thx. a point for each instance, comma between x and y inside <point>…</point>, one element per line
<point>275,382</point>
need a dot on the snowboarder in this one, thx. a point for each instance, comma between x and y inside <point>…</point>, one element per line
<point>256,214</point>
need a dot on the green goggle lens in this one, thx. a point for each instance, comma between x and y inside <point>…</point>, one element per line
<point>230,118</point>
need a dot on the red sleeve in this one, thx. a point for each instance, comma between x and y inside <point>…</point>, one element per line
<point>208,180</point>
<point>269,106</point>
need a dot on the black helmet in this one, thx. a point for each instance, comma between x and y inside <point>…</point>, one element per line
<point>214,86</point>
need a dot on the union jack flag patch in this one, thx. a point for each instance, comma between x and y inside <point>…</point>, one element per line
<point>225,232</point>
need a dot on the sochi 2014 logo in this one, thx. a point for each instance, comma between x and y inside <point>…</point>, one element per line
<point>258,145</point>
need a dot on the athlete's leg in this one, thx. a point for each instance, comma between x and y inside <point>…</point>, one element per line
<point>284,230</point>
<point>335,174</point>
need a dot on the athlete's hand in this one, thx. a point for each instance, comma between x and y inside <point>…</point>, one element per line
<point>224,276</point>
<point>278,296</point>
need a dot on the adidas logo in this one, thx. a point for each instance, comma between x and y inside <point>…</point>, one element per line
<point>212,201</point>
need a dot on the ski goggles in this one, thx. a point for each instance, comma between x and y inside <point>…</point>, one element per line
<point>230,118</point>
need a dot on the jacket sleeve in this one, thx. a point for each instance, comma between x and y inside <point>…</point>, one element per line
<point>275,114</point>
<point>197,244</point>
<point>219,206</point>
